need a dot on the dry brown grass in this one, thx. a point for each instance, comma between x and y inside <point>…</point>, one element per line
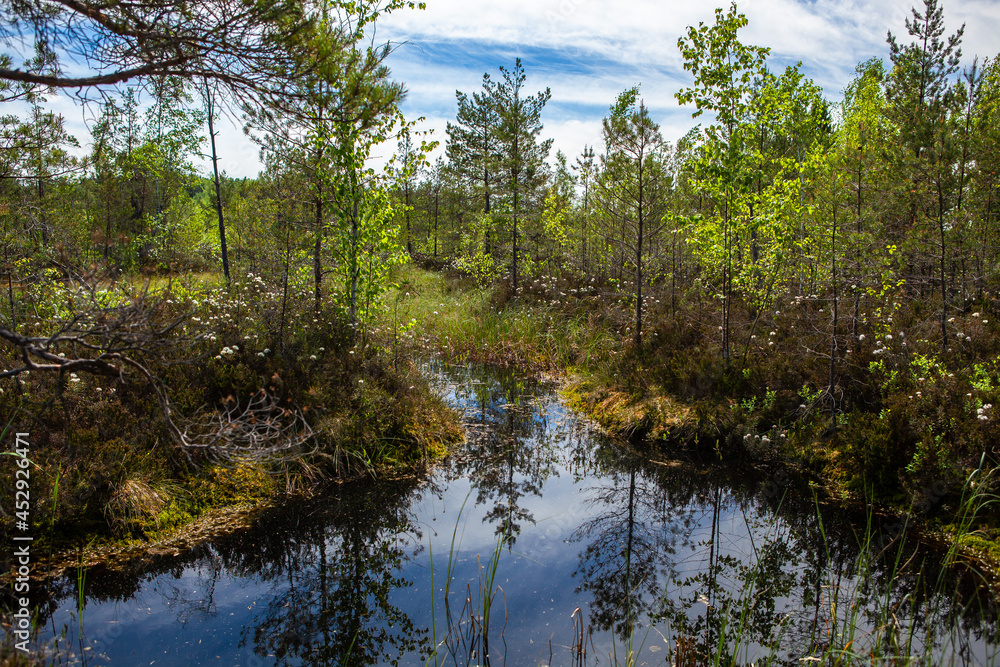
<point>134,502</point>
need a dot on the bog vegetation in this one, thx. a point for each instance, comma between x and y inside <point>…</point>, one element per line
<point>800,276</point>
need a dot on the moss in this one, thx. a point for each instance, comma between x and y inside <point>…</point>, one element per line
<point>173,516</point>
<point>233,485</point>
<point>982,547</point>
<point>633,416</point>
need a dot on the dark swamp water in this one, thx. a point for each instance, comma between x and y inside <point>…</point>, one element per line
<point>539,543</point>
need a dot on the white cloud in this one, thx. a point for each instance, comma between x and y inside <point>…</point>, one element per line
<point>587,51</point>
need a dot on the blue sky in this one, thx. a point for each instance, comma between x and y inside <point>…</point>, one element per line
<point>587,51</point>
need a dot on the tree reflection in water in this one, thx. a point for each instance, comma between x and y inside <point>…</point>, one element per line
<point>706,563</point>
<point>333,606</point>
<point>510,453</point>
<point>628,548</point>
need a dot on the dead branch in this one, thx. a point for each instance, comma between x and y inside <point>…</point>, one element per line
<point>120,341</point>
<point>261,430</point>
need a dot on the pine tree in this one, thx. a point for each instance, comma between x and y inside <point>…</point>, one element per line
<point>633,190</point>
<point>522,156</point>
<point>922,102</point>
<point>472,144</point>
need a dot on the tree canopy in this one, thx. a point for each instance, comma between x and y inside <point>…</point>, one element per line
<point>246,44</point>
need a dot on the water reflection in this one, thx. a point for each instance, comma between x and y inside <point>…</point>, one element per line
<point>678,561</point>
<point>511,449</point>
<point>629,544</point>
<point>331,605</point>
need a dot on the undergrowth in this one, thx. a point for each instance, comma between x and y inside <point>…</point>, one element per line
<point>105,466</point>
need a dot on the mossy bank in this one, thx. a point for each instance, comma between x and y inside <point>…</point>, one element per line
<point>107,470</point>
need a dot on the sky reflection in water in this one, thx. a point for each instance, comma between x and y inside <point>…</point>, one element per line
<point>631,553</point>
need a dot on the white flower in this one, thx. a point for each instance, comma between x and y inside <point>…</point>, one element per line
<point>260,354</point>
<point>312,357</point>
<point>861,337</point>
<point>975,314</point>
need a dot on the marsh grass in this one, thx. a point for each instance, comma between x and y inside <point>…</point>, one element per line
<point>434,312</point>
<point>882,609</point>
<point>135,501</point>
<point>468,633</point>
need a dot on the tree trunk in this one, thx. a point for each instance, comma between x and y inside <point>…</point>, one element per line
<point>833,335</point>
<point>638,263</point>
<point>218,190</point>
<point>318,249</point>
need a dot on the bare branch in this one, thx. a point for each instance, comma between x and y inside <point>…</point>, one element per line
<point>260,431</point>
<point>115,341</point>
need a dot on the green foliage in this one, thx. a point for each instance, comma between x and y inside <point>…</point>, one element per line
<point>723,69</point>
<point>475,258</point>
<point>875,454</point>
<point>554,220</point>
<point>367,242</point>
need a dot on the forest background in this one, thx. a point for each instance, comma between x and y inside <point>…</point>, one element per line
<point>796,278</point>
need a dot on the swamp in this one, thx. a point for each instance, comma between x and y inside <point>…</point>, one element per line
<point>331,334</point>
